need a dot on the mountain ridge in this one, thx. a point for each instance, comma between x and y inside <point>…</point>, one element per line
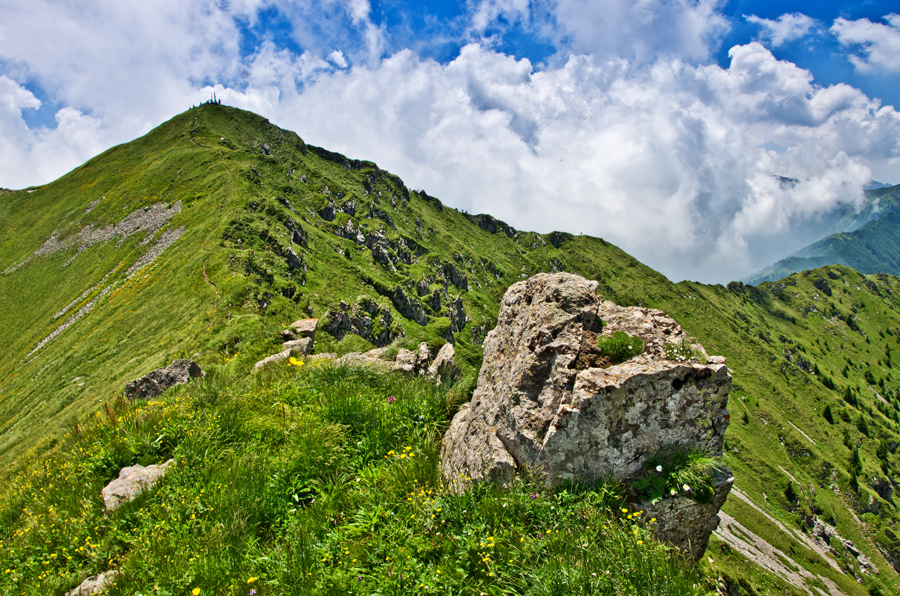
<point>275,229</point>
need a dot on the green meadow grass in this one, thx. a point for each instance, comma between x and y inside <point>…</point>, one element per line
<point>320,479</point>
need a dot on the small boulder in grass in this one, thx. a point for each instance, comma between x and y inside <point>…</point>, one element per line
<point>97,584</point>
<point>155,382</point>
<point>132,481</point>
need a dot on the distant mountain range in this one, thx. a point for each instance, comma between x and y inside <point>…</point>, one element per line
<point>867,240</point>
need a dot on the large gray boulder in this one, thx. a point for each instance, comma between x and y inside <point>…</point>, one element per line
<point>155,382</point>
<point>547,397</point>
<point>132,481</point>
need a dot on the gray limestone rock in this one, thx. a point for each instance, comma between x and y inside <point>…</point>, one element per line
<point>405,361</point>
<point>157,381</point>
<point>283,355</point>
<point>303,328</point>
<point>97,584</point>
<point>547,397</point>
<point>132,481</point>
<point>423,358</point>
<point>458,316</point>
<point>444,365</point>
<point>302,346</point>
<point>327,212</point>
<point>685,523</point>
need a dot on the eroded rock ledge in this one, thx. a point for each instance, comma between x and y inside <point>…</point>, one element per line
<point>547,398</point>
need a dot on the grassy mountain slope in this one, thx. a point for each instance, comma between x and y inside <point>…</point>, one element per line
<point>248,196</point>
<point>864,240</point>
<point>242,186</point>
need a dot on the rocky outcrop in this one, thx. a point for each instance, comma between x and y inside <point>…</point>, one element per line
<point>366,319</point>
<point>409,308</point>
<point>327,212</point>
<point>293,260</point>
<point>455,276</point>
<point>350,232</point>
<point>155,382</point>
<point>298,340</point>
<point>132,481</point>
<point>407,361</point>
<point>444,367</point>
<point>458,316</point>
<point>829,539</point>
<point>98,584</point>
<point>686,523</point>
<point>548,398</point>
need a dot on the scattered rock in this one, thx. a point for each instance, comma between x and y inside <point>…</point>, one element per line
<point>157,381</point>
<point>444,365</point>
<point>544,401</point>
<point>302,346</point>
<point>304,328</point>
<point>423,358</point>
<point>132,481</point>
<point>557,238</point>
<point>405,361</point>
<point>294,262</point>
<point>883,487</point>
<point>283,355</point>
<point>458,316</point>
<point>455,276</point>
<point>298,236</point>
<point>95,585</point>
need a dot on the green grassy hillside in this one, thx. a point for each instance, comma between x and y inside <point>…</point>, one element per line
<point>251,229</point>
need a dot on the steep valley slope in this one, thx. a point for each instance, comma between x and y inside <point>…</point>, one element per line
<point>204,237</point>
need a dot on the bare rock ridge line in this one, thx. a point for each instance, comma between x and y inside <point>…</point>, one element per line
<point>548,399</point>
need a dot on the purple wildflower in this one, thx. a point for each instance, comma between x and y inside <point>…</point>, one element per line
<point>252,592</point>
<point>534,495</point>
<point>391,399</point>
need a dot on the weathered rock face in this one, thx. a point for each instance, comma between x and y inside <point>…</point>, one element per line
<point>132,481</point>
<point>547,397</point>
<point>685,523</point>
<point>157,381</point>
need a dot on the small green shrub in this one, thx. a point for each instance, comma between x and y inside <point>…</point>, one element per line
<point>674,471</point>
<point>620,347</point>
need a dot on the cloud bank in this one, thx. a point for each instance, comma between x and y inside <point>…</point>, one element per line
<point>701,171</point>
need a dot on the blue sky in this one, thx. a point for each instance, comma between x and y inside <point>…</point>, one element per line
<point>661,125</point>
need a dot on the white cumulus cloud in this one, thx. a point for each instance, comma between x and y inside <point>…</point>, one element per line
<point>876,45</point>
<point>629,133</point>
<point>788,27</point>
